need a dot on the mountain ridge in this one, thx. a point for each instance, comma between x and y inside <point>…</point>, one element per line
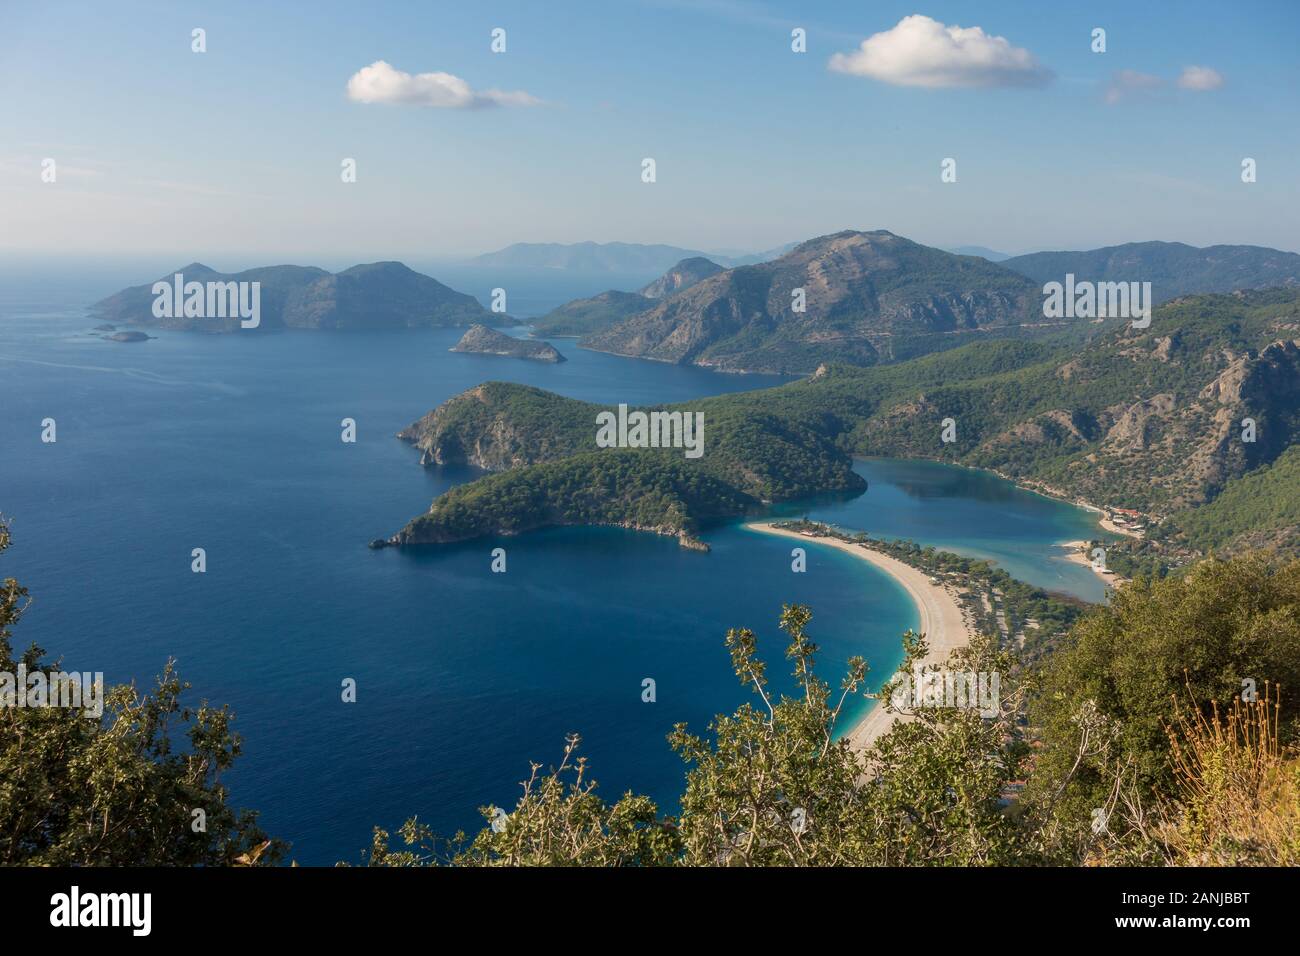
<point>1146,419</point>
<point>681,276</point>
<point>868,297</point>
<point>375,295</point>
<point>595,313</point>
<point>626,257</point>
<point>1173,268</point>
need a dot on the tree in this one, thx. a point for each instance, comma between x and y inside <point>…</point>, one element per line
<point>116,790</point>
<point>774,785</point>
<point>559,821</point>
<point>1111,692</point>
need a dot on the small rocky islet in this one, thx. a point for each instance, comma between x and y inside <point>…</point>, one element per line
<point>128,337</point>
<point>481,340</point>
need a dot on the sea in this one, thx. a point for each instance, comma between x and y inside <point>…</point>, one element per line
<point>463,676</point>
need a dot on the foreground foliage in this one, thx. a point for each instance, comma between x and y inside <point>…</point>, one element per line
<point>1154,735</point>
<point>1159,732</point>
<point>772,786</point>
<point>121,790</point>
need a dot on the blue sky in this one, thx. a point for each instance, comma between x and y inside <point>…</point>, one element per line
<point>234,154</point>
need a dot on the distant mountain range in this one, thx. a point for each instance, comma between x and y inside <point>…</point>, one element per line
<point>992,255</point>
<point>1172,268</point>
<point>595,313</point>
<point>875,297</point>
<point>377,295</point>
<point>625,257</point>
<point>860,297</point>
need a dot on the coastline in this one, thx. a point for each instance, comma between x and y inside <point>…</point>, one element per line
<point>1074,553</point>
<point>1074,550</point>
<point>1108,525</point>
<point>942,621</point>
<point>1047,491</point>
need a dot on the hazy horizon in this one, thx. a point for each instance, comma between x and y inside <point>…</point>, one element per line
<point>238,260</point>
<point>235,153</point>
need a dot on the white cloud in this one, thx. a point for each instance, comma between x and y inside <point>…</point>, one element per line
<point>920,51</point>
<point>1200,78</point>
<point>381,83</point>
<point>1130,81</point>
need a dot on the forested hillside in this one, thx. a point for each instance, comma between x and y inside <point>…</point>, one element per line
<point>1158,420</point>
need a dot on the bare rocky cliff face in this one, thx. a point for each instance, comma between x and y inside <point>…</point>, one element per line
<point>1187,445</point>
<point>867,297</point>
<point>1162,419</point>
<point>682,276</point>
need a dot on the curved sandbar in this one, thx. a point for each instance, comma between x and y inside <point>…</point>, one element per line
<point>1075,553</point>
<point>942,621</point>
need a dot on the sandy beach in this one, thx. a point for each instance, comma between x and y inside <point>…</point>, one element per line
<point>1108,525</point>
<point>1074,553</point>
<point>942,621</point>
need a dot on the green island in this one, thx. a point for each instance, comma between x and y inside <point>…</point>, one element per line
<point>1150,420</point>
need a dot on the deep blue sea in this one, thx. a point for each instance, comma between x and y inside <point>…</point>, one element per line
<point>231,443</point>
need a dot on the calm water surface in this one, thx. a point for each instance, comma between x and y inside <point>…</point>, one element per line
<point>231,443</point>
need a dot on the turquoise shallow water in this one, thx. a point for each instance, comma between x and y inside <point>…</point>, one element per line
<point>231,443</point>
<point>972,513</point>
